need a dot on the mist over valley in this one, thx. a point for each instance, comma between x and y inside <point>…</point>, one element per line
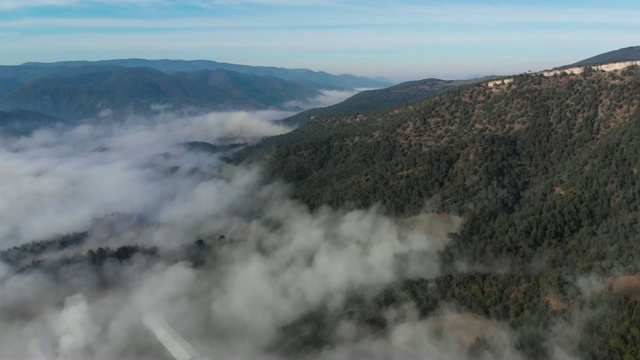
<point>159,209</point>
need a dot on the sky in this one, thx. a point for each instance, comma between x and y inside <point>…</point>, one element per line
<point>400,40</point>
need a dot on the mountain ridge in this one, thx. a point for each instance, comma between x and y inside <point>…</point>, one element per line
<point>500,147</point>
<point>83,93</point>
<point>170,66</point>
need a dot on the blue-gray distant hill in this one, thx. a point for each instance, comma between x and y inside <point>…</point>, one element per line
<point>13,77</point>
<point>171,66</point>
<point>21,122</point>
<point>80,92</point>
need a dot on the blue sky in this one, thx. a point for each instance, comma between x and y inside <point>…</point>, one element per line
<point>404,39</point>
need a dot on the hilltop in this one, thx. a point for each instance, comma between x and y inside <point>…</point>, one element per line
<point>631,53</point>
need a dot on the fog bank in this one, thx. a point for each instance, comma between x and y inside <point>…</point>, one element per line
<point>231,258</point>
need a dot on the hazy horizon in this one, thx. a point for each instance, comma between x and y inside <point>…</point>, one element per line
<point>402,40</point>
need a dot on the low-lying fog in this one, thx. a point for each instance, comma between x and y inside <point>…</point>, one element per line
<point>267,258</point>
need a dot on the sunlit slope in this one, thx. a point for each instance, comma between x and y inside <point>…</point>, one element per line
<point>530,165</point>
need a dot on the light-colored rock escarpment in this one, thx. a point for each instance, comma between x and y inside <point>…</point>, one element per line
<point>572,71</point>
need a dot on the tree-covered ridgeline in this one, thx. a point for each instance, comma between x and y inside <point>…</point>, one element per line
<point>544,170</point>
<point>536,165</point>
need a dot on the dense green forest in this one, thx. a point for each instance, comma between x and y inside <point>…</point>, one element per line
<point>544,170</point>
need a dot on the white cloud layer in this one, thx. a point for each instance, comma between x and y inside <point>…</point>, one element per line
<point>55,183</point>
<point>279,260</point>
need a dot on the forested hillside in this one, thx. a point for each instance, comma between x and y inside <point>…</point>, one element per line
<point>545,172</point>
<point>80,93</point>
<point>372,100</point>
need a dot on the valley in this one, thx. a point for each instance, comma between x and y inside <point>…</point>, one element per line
<point>491,218</point>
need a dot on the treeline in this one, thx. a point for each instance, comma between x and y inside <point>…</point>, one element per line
<point>54,257</point>
<point>56,267</point>
<point>32,249</point>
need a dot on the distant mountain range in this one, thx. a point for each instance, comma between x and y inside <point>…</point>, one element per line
<point>171,66</point>
<point>78,90</point>
<point>39,93</point>
<point>137,90</point>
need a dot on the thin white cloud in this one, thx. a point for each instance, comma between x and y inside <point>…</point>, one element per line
<point>266,2</point>
<point>370,39</point>
<point>522,14</point>
<point>20,4</point>
<point>372,52</point>
<point>65,196</point>
<point>17,4</point>
<point>386,14</point>
<point>322,40</point>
